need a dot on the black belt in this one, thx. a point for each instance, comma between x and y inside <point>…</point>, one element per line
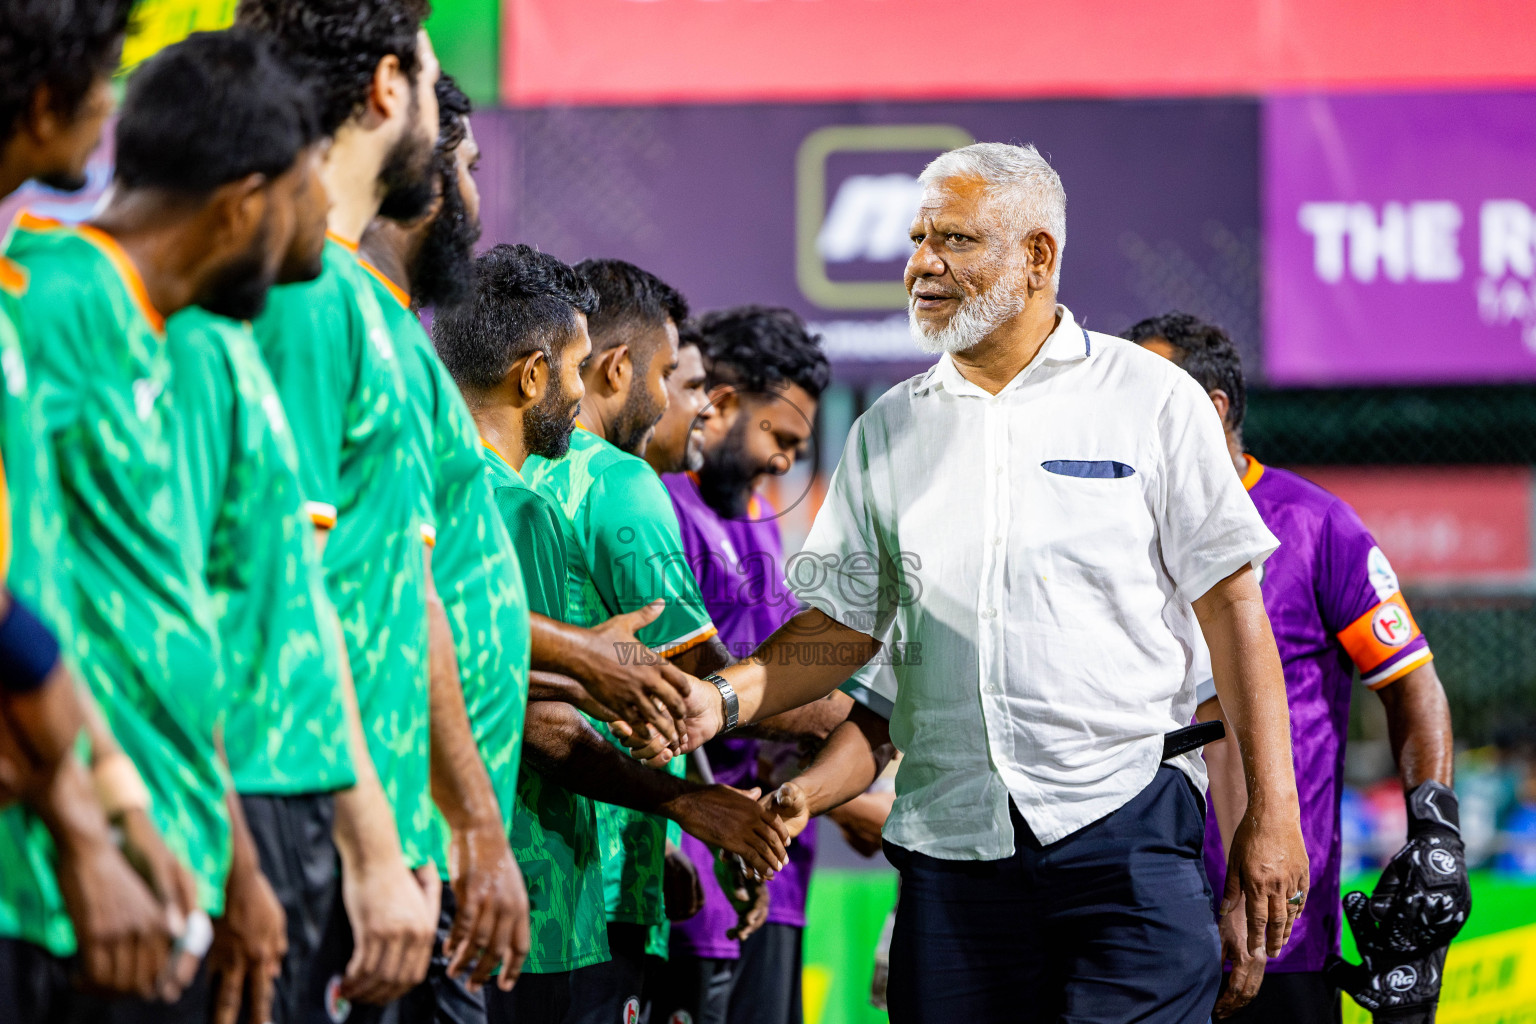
<point>1192,737</point>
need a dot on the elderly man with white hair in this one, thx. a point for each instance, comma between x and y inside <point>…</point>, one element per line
<point>1032,533</point>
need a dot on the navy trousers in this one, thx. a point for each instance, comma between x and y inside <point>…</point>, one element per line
<point>1112,924</point>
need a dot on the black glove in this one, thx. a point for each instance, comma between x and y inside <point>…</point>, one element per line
<point>1395,989</point>
<point>1423,897</point>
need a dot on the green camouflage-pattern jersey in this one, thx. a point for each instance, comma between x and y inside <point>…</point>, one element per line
<point>554,831</point>
<point>286,730</point>
<point>474,565</point>
<point>624,550</point>
<point>31,907</point>
<point>145,636</point>
<point>334,363</point>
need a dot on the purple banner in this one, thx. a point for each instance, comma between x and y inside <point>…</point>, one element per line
<point>1400,238</point>
<point>808,205</point>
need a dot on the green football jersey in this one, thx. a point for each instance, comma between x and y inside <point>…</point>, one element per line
<point>334,363</point>
<point>474,565</point>
<point>145,638</point>
<point>623,550</point>
<point>286,728</point>
<point>31,907</point>
<point>554,831</point>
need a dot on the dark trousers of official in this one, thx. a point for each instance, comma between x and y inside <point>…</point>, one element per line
<point>1112,924</point>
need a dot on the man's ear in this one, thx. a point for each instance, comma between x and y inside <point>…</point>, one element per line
<point>1222,402</point>
<point>41,121</point>
<point>237,208</point>
<point>725,399</point>
<point>532,373</point>
<point>1040,259</point>
<point>615,368</point>
<point>390,90</point>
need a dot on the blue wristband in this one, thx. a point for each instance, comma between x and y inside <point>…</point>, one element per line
<point>28,650</point>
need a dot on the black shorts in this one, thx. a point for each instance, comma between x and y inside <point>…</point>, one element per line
<point>34,984</point>
<point>293,842</point>
<point>1294,997</point>
<point>762,987</point>
<point>535,999</point>
<point>613,992</point>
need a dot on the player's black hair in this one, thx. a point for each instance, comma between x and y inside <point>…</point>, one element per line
<point>441,275</point>
<point>762,348</point>
<point>63,44</point>
<point>339,43</point>
<point>212,109</point>
<point>524,300</point>
<point>628,298</point>
<point>688,334</point>
<point>1205,351</point>
<point>453,110</point>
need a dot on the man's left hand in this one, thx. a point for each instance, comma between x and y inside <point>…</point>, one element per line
<point>1247,974</point>
<point>1423,897</point>
<point>1402,989</point>
<point>1266,869</point>
<point>249,943</point>
<point>680,886</point>
<point>490,924</point>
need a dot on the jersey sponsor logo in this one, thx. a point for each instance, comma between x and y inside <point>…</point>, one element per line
<point>337,1008</point>
<point>631,1011</point>
<point>146,391</point>
<point>1379,571</point>
<point>1391,625</point>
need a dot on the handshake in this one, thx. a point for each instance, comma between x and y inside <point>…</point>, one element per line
<point>1403,928</point>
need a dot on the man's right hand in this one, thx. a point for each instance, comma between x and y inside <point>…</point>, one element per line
<point>393,912</point>
<point>749,896</point>
<point>1267,866</point>
<point>703,718</point>
<point>733,820</point>
<point>124,934</point>
<point>620,672</point>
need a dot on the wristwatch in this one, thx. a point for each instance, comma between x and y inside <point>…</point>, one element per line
<point>728,696</point>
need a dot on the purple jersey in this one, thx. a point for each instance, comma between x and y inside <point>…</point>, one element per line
<point>739,564</point>
<point>1335,606</point>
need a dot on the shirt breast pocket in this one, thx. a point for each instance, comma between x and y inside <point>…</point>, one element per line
<point>1093,507</point>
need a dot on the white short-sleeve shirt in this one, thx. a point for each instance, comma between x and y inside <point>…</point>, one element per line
<point>1032,556</point>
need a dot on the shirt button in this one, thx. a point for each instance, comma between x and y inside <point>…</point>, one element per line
<point>997,540</point>
<point>990,613</point>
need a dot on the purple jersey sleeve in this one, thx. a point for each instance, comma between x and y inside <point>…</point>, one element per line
<point>1362,603</point>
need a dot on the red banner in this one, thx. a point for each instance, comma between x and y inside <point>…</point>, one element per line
<point>647,51</point>
<point>1443,524</point>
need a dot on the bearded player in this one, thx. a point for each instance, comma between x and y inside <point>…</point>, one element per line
<point>1336,608</point>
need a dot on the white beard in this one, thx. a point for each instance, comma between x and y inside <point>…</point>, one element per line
<point>972,323</point>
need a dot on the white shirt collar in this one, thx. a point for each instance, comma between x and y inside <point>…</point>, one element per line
<point>1067,343</point>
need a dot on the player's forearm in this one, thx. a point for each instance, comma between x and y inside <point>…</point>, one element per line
<point>848,764</point>
<point>804,660</point>
<point>45,721</point>
<point>560,647</point>
<point>69,809</point>
<point>546,685</point>
<point>814,722</point>
<point>1419,728</point>
<point>461,787</point>
<point>1250,684</point>
<point>1224,766</point>
<point>561,744</point>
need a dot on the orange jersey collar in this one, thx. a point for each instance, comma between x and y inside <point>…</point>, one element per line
<point>115,255</point>
<point>1255,471</point>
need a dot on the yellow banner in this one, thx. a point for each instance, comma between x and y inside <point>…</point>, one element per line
<point>157,24</point>
<point>1488,980</point>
